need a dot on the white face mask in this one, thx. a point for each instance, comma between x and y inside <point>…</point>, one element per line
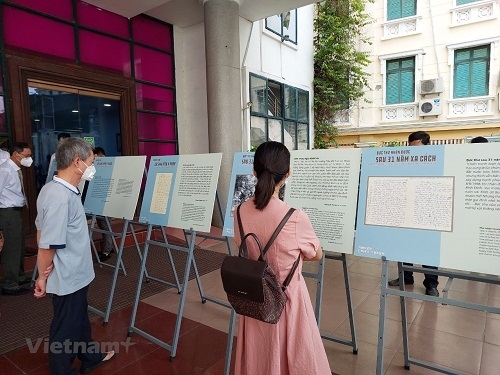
<point>89,172</point>
<point>26,162</point>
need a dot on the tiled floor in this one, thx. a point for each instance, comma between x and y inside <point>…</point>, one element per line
<point>466,340</point>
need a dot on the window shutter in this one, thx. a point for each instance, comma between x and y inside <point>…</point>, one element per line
<point>392,88</point>
<point>407,87</point>
<point>461,80</point>
<point>393,9</point>
<point>408,8</point>
<point>463,2</point>
<point>479,81</point>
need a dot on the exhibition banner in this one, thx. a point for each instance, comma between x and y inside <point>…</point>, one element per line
<point>324,184</point>
<point>431,205</point>
<point>114,190</point>
<point>180,191</point>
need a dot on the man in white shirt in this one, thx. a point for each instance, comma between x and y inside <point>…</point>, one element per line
<point>12,201</point>
<point>4,155</point>
<point>52,163</point>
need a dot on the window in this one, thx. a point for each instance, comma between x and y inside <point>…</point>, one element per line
<point>401,8</point>
<point>278,113</point>
<point>284,25</point>
<point>400,80</point>
<point>471,72</point>
<point>463,2</point>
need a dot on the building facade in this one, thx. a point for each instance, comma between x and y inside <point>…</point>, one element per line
<point>155,78</point>
<point>434,68</point>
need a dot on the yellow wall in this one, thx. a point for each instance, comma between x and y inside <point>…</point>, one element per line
<point>349,139</point>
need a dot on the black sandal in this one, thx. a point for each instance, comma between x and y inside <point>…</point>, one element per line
<point>98,364</point>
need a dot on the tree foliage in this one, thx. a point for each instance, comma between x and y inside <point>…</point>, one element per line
<point>339,79</point>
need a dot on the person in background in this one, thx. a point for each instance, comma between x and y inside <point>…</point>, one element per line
<point>107,239</point>
<point>12,201</point>
<point>60,138</point>
<point>293,346</point>
<point>63,242</point>
<point>420,138</point>
<point>479,140</point>
<point>4,155</point>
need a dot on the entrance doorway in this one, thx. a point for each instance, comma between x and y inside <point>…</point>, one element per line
<point>43,95</point>
<point>57,110</point>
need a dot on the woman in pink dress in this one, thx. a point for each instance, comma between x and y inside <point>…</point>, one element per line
<point>293,346</point>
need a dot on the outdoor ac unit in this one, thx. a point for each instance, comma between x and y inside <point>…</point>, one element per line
<point>431,86</point>
<point>430,107</point>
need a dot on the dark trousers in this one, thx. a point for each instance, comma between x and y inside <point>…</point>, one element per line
<point>70,334</point>
<point>107,239</point>
<point>430,281</point>
<point>11,220</point>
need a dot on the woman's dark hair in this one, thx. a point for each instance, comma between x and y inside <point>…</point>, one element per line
<point>271,163</point>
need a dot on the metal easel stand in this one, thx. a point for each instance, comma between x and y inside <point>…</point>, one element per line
<point>171,259</point>
<point>385,291</point>
<point>92,229</point>
<point>190,256</point>
<point>204,297</point>
<point>105,314</point>
<point>92,244</point>
<point>319,298</point>
<point>187,233</point>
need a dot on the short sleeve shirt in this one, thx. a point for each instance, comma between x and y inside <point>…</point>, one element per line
<point>63,225</point>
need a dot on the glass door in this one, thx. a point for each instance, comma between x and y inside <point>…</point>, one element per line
<point>55,110</point>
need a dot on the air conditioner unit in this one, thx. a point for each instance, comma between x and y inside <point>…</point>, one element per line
<point>430,107</point>
<point>431,86</point>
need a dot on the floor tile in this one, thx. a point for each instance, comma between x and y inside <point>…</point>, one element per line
<point>489,360</point>
<point>445,349</point>
<point>450,319</point>
<point>344,362</point>
<point>8,368</point>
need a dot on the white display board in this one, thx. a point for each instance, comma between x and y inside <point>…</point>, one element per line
<point>432,205</point>
<point>114,190</point>
<point>180,191</point>
<point>324,184</point>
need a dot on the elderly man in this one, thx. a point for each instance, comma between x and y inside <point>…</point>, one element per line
<point>63,241</point>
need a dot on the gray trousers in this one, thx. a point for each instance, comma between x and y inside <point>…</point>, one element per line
<point>12,255</point>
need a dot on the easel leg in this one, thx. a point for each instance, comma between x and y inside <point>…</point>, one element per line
<point>349,304</point>
<point>229,347</point>
<point>189,262</point>
<point>402,301</point>
<point>139,281</point>
<point>381,321</point>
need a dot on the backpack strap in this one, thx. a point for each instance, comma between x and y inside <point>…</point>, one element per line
<point>243,246</point>
<point>290,275</point>
<point>278,229</point>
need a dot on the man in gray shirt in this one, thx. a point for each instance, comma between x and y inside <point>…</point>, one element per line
<point>63,241</point>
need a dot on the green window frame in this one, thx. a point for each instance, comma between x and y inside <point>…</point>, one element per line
<point>284,25</point>
<point>400,81</point>
<point>471,72</point>
<point>400,9</point>
<point>278,112</point>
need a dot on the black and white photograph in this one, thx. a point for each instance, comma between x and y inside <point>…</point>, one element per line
<point>244,188</point>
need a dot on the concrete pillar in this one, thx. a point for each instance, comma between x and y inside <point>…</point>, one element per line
<point>222,50</point>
